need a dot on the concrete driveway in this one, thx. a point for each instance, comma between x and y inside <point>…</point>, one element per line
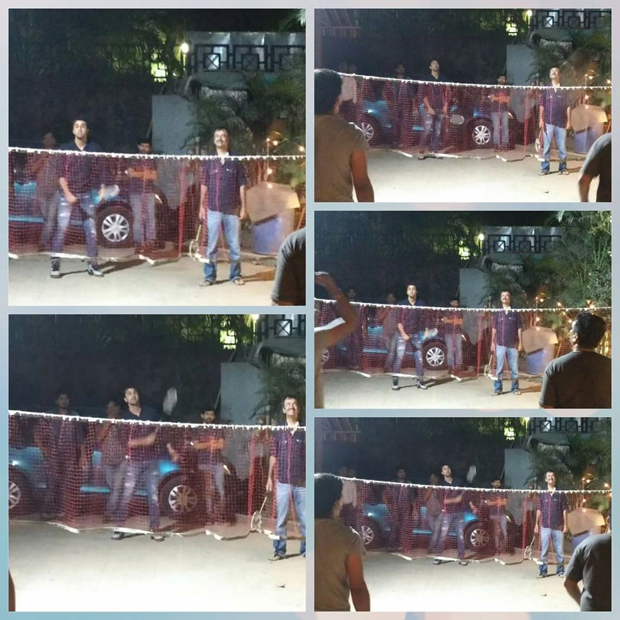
<point>55,570</point>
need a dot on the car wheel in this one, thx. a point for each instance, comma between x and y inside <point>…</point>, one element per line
<point>435,356</point>
<point>19,494</point>
<point>369,531</point>
<point>477,537</point>
<point>115,227</point>
<point>370,129</point>
<point>178,498</point>
<point>481,134</point>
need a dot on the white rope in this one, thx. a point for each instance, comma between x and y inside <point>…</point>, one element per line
<point>441,487</point>
<point>66,418</point>
<point>461,309</point>
<point>466,84</point>
<point>18,149</point>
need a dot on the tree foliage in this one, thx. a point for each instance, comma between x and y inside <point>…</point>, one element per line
<point>281,378</point>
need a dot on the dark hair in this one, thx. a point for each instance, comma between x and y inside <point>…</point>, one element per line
<point>401,466</point>
<point>327,89</point>
<point>131,386</point>
<point>222,128</point>
<point>59,393</point>
<point>589,329</point>
<point>80,117</point>
<point>116,400</point>
<point>499,75</point>
<point>144,140</point>
<point>455,298</point>
<point>327,491</point>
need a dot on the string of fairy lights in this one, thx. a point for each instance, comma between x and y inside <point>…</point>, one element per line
<point>84,419</point>
<point>606,88</point>
<point>605,491</point>
<point>268,157</point>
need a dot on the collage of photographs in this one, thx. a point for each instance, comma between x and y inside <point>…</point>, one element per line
<point>159,372</point>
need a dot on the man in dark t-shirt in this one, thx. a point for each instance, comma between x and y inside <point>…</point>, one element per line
<point>597,164</point>
<point>142,461</point>
<point>289,288</point>
<point>591,563</point>
<point>142,173</point>
<point>79,176</point>
<point>409,327</point>
<point>222,205</point>
<point>435,99</point>
<point>580,379</point>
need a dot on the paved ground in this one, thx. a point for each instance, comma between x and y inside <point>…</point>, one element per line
<point>350,390</point>
<point>136,283</point>
<point>396,584</point>
<point>55,570</point>
<point>398,178</point>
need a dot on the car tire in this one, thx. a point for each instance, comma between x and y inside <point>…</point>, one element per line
<point>435,355</point>
<point>178,497</point>
<point>477,537</point>
<point>371,130</point>
<point>115,226</point>
<point>481,134</point>
<point>370,534</point>
<point>20,496</point>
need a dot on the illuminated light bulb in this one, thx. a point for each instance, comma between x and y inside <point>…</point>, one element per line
<point>609,81</point>
<point>275,143</point>
<point>185,47</point>
<point>269,185</point>
<point>267,140</point>
<point>302,149</point>
<point>590,77</point>
<point>481,237</point>
<point>269,170</point>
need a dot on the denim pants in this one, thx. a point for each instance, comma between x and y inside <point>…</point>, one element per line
<point>215,472</point>
<point>148,470</point>
<point>500,527</point>
<point>283,500</point>
<point>435,522</point>
<point>49,210</point>
<point>399,519</point>
<point>87,208</point>
<point>559,134</point>
<point>513,363</point>
<point>114,477</point>
<point>450,520</point>
<point>500,128</point>
<point>390,346</point>
<point>143,207</point>
<point>401,347</point>
<point>230,223</point>
<point>454,344</point>
<point>557,537</point>
<point>432,122</point>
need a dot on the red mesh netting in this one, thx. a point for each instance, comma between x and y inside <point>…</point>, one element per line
<point>89,473</point>
<point>145,205</point>
<point>448,119</point>
<point>445,340</point>
<point>475,524</point>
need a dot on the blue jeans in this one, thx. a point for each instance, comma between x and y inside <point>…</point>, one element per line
<point>148,470</point>
<point>114,477</point>
<point>87,207</point>
<point>230,223</point>
<point>450,520</point>
<point>283,500</point>
<point>454,343</point>
<point>401,347</point>
<point>435,522</point>
<point>557,536</point>
<point>559,134</point>
<point>498,521</point>
<point>500,128</point>
<point>215,472</point>
<point>432,122</point>
<point>49,210</point>
<point>143,204</point>
<point>513,358</point>
<point>390,345</point>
